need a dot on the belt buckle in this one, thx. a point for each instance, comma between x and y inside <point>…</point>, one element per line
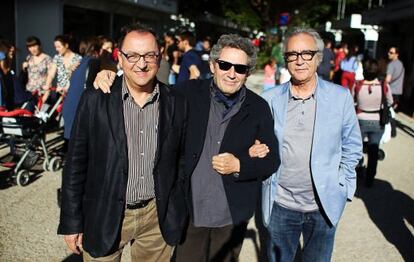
<point>139,204</point>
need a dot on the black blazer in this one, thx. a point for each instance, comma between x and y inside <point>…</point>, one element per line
<point>253,121</point>
<point>95,176</point>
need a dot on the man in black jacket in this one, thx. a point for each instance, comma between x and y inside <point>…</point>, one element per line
<point>225,119</point>
<point>123,180</point>
<point>225,122</point>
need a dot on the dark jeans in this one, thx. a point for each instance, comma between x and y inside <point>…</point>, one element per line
<point>285,228</point>
<point>204,244</point>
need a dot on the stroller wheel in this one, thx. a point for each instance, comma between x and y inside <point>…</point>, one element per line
<point>381,155</point>
<point>22,177</point>
<point>55,164</point>
<point>45,165</point>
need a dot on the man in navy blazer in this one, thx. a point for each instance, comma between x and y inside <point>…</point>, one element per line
<point>320,145</point>
<point>223,180</point>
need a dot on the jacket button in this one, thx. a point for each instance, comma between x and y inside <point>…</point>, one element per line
<point>194,155</point>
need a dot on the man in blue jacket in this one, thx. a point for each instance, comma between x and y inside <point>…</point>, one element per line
<point>320,145</point>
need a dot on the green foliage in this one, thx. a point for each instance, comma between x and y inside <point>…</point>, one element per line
<point>240,12</point>
<point>311,15</point>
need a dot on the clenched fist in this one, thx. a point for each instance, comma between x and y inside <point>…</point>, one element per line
<point>226,164</point>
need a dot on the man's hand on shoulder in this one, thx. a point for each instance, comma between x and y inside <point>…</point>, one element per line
<point>74,242</point>
<point>104,80</point>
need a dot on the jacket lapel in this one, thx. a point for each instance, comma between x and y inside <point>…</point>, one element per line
<point>322,111</point>
<point>116,117</point>
<point>280,106</point>
<point>165,121</point>
<point>202,110</point>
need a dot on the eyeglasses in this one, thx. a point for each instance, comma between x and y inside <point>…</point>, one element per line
<point>150,57</point>
<point>306,55</point>
<point>391,53</point>
<point>225,66</point>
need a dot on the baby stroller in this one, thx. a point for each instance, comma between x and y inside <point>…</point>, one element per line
<point>25,132</point>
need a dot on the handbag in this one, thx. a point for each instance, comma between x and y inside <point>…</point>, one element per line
<point>385,113</point>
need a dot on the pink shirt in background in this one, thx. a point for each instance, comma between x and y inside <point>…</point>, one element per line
<point>269,75</point>
<point>368,98</point>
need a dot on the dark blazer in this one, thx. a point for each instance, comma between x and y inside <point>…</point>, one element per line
<point>95,176</point>
<point>253,121</point>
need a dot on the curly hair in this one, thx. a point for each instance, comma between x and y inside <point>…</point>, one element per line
<point>238,42</point>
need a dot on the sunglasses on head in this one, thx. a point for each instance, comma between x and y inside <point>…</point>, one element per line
<point>225,66</point>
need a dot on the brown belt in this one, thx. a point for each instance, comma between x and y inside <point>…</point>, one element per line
<point>139,204</point>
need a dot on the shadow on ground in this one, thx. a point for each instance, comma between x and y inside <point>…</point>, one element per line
<point>391,210</point>
<point>73,258</point>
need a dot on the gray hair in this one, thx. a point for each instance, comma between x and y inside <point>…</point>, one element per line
<point>235,41</point>
<point>311,32</point>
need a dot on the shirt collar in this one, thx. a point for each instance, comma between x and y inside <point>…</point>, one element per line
<point>294,97</point>
<point>152,98</point>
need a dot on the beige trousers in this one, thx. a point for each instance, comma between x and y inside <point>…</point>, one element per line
<point>140,228</point>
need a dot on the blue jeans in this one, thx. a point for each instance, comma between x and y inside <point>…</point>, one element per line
<point>285,228</point>
<point>371,129</point>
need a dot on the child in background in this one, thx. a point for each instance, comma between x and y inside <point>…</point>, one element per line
<point>269,74</point>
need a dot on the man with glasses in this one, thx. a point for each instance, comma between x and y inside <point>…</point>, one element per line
<point>123,180</point>
<point>226,124</point>
<point>320,145</point>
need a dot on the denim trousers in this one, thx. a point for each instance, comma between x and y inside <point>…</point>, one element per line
<point>372,130</point>
<point>285,228</point>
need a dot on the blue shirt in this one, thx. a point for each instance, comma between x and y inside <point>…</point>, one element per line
<point>350,64</point>
<point>189,58</point>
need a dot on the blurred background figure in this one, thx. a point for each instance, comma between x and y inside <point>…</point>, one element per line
<point>105,54</point>
<point>369,100</point>
<point>277,54</point>
<point>172,55</point>
<point>349,65</point>
<point>81,78</point>
<point>190,65</point>
<point>269,74</point>
<point>395,75</point>
<point>37,65</point>
<point>204,53</point>
<point>340,54</point>
<point>7,75</point>
<point>64,63</point>
<point>164,69</point>
<point>326,66</point>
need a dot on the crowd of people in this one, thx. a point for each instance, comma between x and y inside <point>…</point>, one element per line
<point>170,150</point>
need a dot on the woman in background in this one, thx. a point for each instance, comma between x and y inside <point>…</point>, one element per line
<point>368,96</point>
<point>349,65</point>
<point>37,65</point>
<point>64,63</point>
<point>82,78</point>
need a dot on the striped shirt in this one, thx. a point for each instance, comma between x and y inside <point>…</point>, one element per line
<point>141,127</point>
